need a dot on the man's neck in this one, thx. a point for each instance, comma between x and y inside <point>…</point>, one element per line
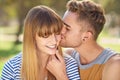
<point>89,53</point>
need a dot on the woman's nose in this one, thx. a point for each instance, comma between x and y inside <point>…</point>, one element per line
<point>53,39</point>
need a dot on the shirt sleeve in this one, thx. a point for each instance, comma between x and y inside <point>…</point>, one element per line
<point>8,71</point>
<point>11,69</point>
<point>72,68</point>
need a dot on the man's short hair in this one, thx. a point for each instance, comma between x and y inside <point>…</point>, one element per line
<point>88,11</point>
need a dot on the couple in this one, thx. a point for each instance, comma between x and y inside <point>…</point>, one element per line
<point>45,33</point>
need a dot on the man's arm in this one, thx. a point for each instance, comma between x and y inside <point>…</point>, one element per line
<point>112,69</point>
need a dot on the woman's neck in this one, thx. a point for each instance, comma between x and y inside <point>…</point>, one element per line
<point>42,61</point>
<point>43,74</point>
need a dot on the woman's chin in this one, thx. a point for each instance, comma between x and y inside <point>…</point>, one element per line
<point>51,53</point>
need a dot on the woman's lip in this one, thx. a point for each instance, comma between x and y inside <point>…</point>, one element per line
<point>52,47</point>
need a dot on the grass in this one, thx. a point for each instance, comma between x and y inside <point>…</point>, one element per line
<point>1,65</point>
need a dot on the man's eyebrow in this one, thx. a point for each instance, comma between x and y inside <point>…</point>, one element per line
<point>66,24</point>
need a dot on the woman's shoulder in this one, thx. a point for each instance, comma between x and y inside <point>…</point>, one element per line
<point>16,59</point>
<point>70,51</point>
<point>70,61</point>
<point>68,57</point>
<point>71,67</point>
<point>14,62</point>
<point>12,68</point>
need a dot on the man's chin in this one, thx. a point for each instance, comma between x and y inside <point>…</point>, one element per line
<point>63,45</point>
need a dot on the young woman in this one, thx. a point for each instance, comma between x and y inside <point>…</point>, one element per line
<point>42,29</point>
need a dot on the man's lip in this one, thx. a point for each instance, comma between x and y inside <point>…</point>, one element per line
<point>62,37</point>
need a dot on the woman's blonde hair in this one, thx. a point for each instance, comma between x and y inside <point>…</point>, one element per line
<point>43,21</point>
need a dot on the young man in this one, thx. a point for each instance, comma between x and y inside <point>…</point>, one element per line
<point>84,20</point>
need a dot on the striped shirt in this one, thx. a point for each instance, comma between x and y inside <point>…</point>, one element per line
<point>11,69</point>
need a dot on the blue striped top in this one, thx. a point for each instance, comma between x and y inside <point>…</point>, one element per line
<point>11,69</point>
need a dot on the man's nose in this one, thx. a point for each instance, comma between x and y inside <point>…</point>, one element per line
<point>63,30</point>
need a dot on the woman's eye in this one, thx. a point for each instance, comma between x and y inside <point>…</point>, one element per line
<point>58,33</point>
<point>45,36</point>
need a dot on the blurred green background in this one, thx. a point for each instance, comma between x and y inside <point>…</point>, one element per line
<point>13,12</point>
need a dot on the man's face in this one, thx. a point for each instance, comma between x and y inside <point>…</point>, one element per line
<point>71,32</point>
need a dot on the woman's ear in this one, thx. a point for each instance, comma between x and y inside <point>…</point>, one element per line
<point>36,37</point>
<point>35,40</point>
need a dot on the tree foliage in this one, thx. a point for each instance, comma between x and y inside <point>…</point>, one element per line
<point>19,8</point>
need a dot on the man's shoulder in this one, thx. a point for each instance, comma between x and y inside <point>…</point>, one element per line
<point>112,68</point>
<point>114,59</point>
<point>113,62</point>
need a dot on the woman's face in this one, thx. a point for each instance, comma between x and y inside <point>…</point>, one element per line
<point>48,45</point>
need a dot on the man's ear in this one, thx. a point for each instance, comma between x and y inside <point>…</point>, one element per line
<point>87,35</point>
